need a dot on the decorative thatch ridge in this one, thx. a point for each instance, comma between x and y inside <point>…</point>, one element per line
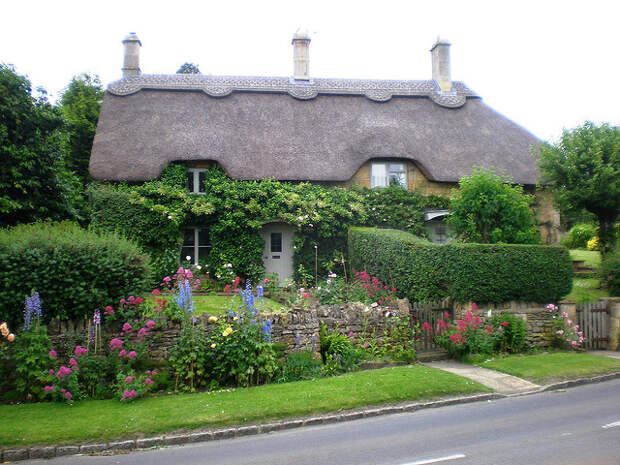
<point>222,86</point>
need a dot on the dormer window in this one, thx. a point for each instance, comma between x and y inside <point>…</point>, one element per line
<point>195,180</point>
<point>384,174</point>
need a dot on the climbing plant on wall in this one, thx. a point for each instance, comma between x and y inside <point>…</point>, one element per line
<point>154,213</point>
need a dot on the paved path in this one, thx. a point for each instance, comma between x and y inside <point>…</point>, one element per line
<point>499,382</point>
<point>605,353</point>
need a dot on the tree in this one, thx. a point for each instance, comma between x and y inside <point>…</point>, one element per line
<point>487,208</point>
<point>80,104</point>
<point>583,170</point>
<point>34,181</point>
<point>188,68</point>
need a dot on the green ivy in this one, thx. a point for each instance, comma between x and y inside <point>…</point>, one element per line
<point>234,211</point>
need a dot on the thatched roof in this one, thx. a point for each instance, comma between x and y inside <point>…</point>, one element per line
<point>324,130</point>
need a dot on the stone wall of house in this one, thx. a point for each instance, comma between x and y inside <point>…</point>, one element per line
<point>536,316</point>
<point>547,218</point>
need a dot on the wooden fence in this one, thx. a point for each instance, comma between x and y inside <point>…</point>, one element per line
<point>431,313</point>
<point>593,320</point>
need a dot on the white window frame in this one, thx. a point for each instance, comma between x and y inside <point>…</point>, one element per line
<point>196,254</point>
<point>195,172</point>
<point>384,181</point>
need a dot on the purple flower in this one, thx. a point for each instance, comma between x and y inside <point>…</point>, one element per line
<point>97,317</point>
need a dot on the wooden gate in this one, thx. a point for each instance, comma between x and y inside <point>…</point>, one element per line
<point>593,320</point>
<point>431,313</point>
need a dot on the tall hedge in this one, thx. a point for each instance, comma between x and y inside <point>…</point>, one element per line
<point>483,273</point>
<point>74,270</point>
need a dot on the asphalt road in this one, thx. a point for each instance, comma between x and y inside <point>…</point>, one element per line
<point>578,426</point>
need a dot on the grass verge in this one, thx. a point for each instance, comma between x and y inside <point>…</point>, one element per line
<point>554,366</point>
<point>591,258</point>
<point>586,290</point>
<point>220,304</point>
<point>101,420</point>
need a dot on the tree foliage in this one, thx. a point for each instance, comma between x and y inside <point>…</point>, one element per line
<point>188,68</point>
<point>487,209</point>
<point>80,104</point>
<point>583,169</point>
<point>34,181</point>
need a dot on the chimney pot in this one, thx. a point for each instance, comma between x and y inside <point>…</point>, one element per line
<point>301,55</point>
<point>440,54</point>
<point>131,58</point>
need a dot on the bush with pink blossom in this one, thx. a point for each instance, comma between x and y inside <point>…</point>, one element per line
<point>565,332</point>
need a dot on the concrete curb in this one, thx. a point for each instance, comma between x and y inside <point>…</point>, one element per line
<point>37,452</point>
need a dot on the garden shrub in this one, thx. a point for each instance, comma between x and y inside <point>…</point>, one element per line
<point>338,352</point>
<point>74,270</point>
<point>514,332</point>
<point>300,365</point>
<point>579,235</point>
<point>611,271</point>
<point>470,336</point>
<point>422,271</point>
<point>565,333</point>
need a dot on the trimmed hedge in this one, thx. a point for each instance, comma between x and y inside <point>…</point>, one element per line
<point>611,271</point>
<point>74,270</point>
<point>483,273</point>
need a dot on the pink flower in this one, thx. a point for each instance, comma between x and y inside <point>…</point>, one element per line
<point>131,298</point>
<point>126,328</point>
<point>426,327</point>
<point>156,292</point>
<point>129,379</point>
<point>68,395</point>
<point>150,324</point>
<point>138,300</point>
<point>122,353</point>
<point>446,315</point>
<point>49,388</point>
<point>116,344</point>
<point>132,354</point>
<point>63,390</point>
<point>79,350</point>
<point>51,372</point>
<point>441,324</point>
<point>474,307</point>
<point>108,310</point>
<point>504,323</point>
<point>167,279</point>
<point>148,381</point>
<point>52,353</point>
<point>142,332</point>
<point>73,361</point>
<point>63,371</point>
<point>123,301</point>
<point>180,270</point>
<point>574,343</point>
<point>266,281</point>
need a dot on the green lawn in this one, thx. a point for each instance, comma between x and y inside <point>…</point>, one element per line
<point>102,420</point>
<point>553,366</point>
<point>220,304</point>
<point>591,258</point>
<point>586,290</point>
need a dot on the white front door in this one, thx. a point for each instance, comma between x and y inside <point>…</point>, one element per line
<point>278,251</point>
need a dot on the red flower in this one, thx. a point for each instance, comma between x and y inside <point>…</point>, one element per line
<point>426,327</point>
<point>504,323</point>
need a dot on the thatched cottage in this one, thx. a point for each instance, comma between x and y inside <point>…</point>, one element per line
<point>423,135</point>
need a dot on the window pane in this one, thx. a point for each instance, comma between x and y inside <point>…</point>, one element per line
<point>188,237</point>
<point>398,174</point>
<point>203,254</point>
<point>397,167</point>
<point>203,237</point>
<point>202,175</point>
<point>378,175</point>
<point>190,180</point>
<point>276,242</point>
<point>187,252</point>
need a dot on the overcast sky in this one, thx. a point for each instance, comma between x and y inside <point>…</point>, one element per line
<point>547,65</point>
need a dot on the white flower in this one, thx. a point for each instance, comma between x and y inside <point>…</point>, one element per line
<point>300,218</point>
<point>374,304</point>
<point>188,258</point>
<point>329,281</point>
<point>318,288</point>
<point>199,267</point>
<point>169,217</point>
<point>332,275</point>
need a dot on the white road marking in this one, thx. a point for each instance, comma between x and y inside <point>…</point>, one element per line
<point>611,425</point>
<point>439,459</point>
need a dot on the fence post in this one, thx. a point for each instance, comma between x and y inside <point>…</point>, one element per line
<point>570,308</point>
<point>613,305</point>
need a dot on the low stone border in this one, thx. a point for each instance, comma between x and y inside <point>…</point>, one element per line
<point>38,452</point>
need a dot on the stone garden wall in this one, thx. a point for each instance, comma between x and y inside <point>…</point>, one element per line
<point>299,326</point>
<point>535,315</point>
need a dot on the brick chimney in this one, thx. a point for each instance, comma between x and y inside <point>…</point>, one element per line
<point>131,58</point>
<point>440,53</point>
<point>301,55</point>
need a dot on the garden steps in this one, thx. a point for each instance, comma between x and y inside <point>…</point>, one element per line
<point>432,356</point>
